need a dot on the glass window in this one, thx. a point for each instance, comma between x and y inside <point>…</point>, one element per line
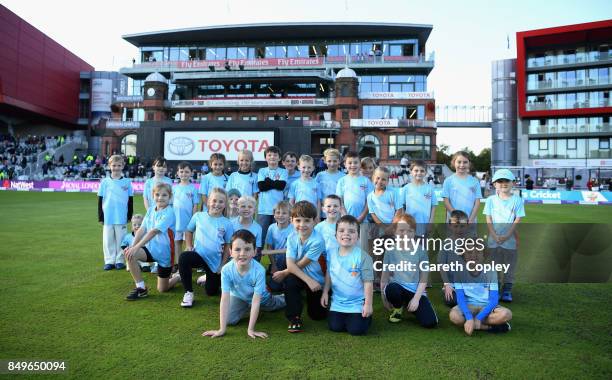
<point>604,143</point>
<point>533,149</point>
<point>561,148</point>
<point>368,146</point>
<point>580,148</point>
<point>298,51</point>
<point>128,145</point>
<point>543,144</point>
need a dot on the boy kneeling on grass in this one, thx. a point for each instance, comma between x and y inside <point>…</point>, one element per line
<point>243,285</point>
<point>477,295</point>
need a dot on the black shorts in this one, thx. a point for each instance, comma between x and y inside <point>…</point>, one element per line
<point>162,272</point>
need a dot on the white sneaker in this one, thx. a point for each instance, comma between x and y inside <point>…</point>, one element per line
<point>187,300</point>
<point>201,280</point>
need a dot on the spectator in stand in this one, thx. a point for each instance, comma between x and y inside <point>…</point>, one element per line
<point>528,182</point>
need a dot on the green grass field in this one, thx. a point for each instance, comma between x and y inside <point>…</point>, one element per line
<point>58,304</point>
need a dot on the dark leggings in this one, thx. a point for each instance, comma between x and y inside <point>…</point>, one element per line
<point>189,260</point>
<point>398,296</point>
<point>293,297</point>
<point>353,323</point>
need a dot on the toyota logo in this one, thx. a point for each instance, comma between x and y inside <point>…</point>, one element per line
<point>181,146</point>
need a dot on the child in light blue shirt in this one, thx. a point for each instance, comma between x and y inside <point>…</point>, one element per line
<point>159,175</point>
<point>383,204</point>
<point>243,287</point>
<point>477,298</point>
<point>354,188</point>
<point>208,249</point>
<point>154,242</point>
<point>276,243</point>
<point>290,162</point>
<point>246,210</point>
<point>350,278</point>
<point>186,201</point>
<point>305,188</point>
<point>244,180</point>
<point>215,179</point>
<point>504,211</point>
<point>461,191</point>
<point>419,198</point>
<point>328,179</point>
<point>271,182</point>
<point>115,205</point>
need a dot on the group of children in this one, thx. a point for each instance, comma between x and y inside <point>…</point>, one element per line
<point>312,230</point>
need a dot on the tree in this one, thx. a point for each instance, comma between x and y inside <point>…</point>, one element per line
<point>443,155</point>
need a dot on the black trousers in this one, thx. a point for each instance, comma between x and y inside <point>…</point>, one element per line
<point>191,259</point>
<point>293,297</point>
<point>398,296</point>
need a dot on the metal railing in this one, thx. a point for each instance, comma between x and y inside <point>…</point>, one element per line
<point>564,83</point>
<point>550,105</point>
<point>463,114</point>
<point>564,60</point>
<point>322,124</point>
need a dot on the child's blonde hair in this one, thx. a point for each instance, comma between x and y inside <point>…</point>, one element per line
<point>116,158</point>
<point>331,152</point>
<point>368,160</point>
<point>306,158</point>
<point>162,186</point>
<point>382,169</point>
<point>283,205</point>
<point>246,152</point>
<point>247,199</point>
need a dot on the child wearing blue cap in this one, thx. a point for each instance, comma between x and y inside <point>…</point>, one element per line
<point>504,211</point>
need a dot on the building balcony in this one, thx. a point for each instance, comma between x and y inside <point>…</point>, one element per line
<point>391,123</point>
<point>543,106</point>
<point>128,99</point>
<point>555,62</point>
<point>568,84</point>
<point>237,65</point>
<point>323,125</point>
<point>250,103</point>
<point>570,129</point>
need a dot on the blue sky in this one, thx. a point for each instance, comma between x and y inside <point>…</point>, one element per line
<point>466,36</point>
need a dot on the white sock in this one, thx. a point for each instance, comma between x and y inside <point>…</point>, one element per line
<point>140,284</point>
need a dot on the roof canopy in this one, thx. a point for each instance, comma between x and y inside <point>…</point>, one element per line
<point>281,32</point>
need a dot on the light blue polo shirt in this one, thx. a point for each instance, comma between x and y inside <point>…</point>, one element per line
<point>185,197</point>
<point>290,179</point>
<point>384,205</point>
<point>246,285</point>
<point>160,247</point>
<point>305,190</point>
<point>276,238</point>
<point>245,183</point>
<point>354,193</point>
<point>115,195</point>
<point>418,201</point>
<point>503,213</point>
<point>348,273</point>
<point>328,182</point>
<point>210,181</point>
<point>211,233</point>
<point>328,232</point>
<point>476,288</point>
<point>312,248</point>
<point>462,192</point>
<point>253,228</point>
